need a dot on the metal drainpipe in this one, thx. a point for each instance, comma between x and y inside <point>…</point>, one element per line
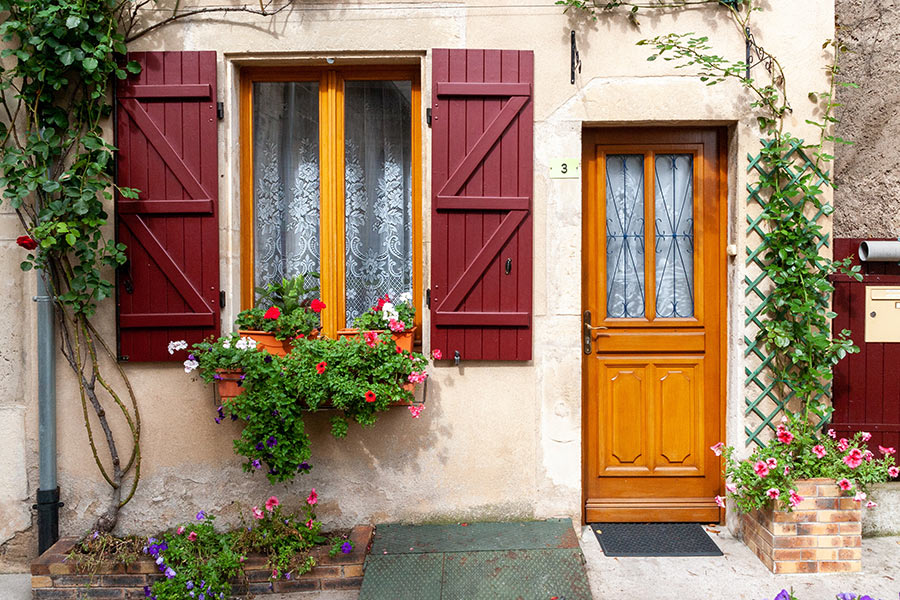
<point>48,503</point>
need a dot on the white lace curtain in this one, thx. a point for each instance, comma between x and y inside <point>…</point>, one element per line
<point>378,211</point>
<point>378,186</point>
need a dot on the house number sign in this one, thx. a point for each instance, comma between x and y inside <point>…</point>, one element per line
<point>565,168</point>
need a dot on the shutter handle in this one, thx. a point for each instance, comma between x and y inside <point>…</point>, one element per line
<point>508,266</point>
<point>456,358</point>
<point>125,276</point>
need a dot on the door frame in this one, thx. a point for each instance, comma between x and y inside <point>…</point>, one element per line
<point>644,136</point>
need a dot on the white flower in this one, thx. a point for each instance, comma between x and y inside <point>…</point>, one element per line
<point>190,365</point>
<point>177,345</point>
<point>227,343</point>
<point>388,312</point>
<point>405,298</point>
<point>860,496</point>
<point>245,343</point>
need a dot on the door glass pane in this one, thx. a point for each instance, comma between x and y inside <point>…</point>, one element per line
<point>378,184</point>
<point>285,179</point>
<point>624,235</point>
<point>674,235</point>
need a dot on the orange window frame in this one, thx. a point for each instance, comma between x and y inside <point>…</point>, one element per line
<point>332,249</point>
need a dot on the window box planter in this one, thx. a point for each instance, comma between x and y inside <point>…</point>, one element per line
<point>267,341</point>
<point>403,339</point>
<point>228,384</point>
<point>823,534</point>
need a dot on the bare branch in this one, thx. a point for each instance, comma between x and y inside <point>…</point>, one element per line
<point>263,10</point>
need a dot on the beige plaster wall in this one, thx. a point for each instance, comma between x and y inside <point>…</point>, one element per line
<point>497,440</point>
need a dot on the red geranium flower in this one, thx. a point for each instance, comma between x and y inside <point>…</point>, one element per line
<point>320,368</point>
<point>370,396</point>
<point>27,242</point>
<point>317,305</point>
<point>273,313</point>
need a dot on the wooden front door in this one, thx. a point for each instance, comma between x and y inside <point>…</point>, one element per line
<point>653,323</point>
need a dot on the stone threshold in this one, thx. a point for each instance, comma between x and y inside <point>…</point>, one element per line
<point>53,577</point>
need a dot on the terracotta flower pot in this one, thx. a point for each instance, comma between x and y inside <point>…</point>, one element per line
<point>228,383</point>
<point>403,339</point>
<point>267,342</point>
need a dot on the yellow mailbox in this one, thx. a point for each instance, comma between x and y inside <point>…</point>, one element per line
<point>883,314</point>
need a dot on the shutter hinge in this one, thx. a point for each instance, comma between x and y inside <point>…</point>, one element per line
<point>222,298</point>
<point>220,110</point>
<point>428,297</point>
<point>123,358</point>
<point>428,116</point>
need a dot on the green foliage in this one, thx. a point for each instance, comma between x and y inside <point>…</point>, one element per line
<point>386,312</point>
<point>56,167</point>
<point>594,8</point>
<point>771,472</point>
<point>297,313</point>
<point>359,377</point>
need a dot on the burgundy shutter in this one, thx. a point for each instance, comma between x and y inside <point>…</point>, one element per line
<point>481,204</point>
<point>166,133</point>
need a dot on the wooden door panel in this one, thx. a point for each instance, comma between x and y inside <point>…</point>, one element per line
<point>653,382</point>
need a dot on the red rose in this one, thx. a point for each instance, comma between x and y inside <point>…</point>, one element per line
<point>26,242</point>
<point>273,313</point>
<point>370,396</point>
<point>317,305</point>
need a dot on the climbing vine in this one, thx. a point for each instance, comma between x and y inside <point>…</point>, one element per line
<point>56,170</point>
<point>795,315</point>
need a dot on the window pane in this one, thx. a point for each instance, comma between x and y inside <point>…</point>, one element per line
<point>674,235</point>
<point>285,179</point>
<point>378,184</point>
<point>624,236</point>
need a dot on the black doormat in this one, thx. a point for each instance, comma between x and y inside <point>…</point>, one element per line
<point>655,539</point>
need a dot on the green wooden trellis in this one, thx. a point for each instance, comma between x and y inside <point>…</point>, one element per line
<point>763,406</point>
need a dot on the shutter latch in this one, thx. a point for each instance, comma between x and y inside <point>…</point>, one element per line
<point>220,110</point>
<point>456,358</point>
<point>428,297</point>
<point>428,116</point>
<point>222,298</point>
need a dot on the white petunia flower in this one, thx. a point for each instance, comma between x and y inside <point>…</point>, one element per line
<point>245,343</point>
<point>227,343</point>
<point>177,345</point>
<point>190,365</point>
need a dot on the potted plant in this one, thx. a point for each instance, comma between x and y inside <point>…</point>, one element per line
<point>283,313</point>
<point>387,316</point>
<point>807,486</point>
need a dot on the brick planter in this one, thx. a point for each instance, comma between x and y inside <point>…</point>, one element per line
<point>822,535</point>
<point>53,577</point>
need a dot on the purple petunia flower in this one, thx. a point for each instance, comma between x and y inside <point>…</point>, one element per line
<point>242,377</point>
<point>217,377</point>
<point>259,446</point>
<point>189,585</point>
<point>271,442</point>
<point>146,591</point>
<point>201,515</point>
<point>304,466</point>
<point>346,547</point>
<point>191,357</point>
<point>268,359</point>
<point>96,535</point>
<point>275,413</point>
<point>256,464</point>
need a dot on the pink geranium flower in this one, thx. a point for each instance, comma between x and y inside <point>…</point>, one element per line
<point>893,471</point>
<point>730,487</point>
<point>271,503</point>
<point>192,536</point>
<point>371,338</point>
<point>866,436</point>
<point>718,448</point>
<point>396,326</point>
<point>720,501</point>
<point>853,458</point>
<point>180,529</point>
<point>772,493</point>
<point>272,314</point>
<point>761,469</point>
<point>819,450</point>
<point>845,484</point>
<point>436,354</point>
<point>312,498</point>
<point>258,513</point>
<point>886,451</point>
<point>795,498</point>
<point>416,409</point>
<point>843,444</point>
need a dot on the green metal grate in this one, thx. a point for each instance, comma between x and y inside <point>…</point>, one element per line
<point>763,407</point>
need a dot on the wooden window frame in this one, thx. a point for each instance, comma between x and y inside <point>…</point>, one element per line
<point>331,178</point>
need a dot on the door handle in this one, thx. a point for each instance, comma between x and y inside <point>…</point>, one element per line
<point>587,331</point>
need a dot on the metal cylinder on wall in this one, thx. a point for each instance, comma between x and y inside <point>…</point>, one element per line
<point>879,251</point>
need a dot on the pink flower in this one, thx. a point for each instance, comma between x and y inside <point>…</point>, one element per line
<point>312,498</point>
<point>819,450</point>
<point>854,458</point>
<point>720,501</point>
<point>886,451</point>
<point>417,377</point>
<point>396,326</point>
<point>258,513</point>
<point>866,436</point>
<point>271,503</point>
<point>272,314</point>
<point>761,469</point>
<point>843,444</point>
<point>730,487</point>
<point>845,484</point>
<point>870,504</point>
<point>192,536</point>
<point>795,498</point>
<point>832,434</point>
<point>180,529</point>
<point>416,409</point>
<point>860,496</point>
<point>772,493</point>
<point>309,524</point>
<point>371,338</point>
<point>718,448</point>
<point>893,471</point>
<point>868,456</point>
<point>784,436</point>
<point>771,463</point>
<point>436,354</point>
<point>786,471</point>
